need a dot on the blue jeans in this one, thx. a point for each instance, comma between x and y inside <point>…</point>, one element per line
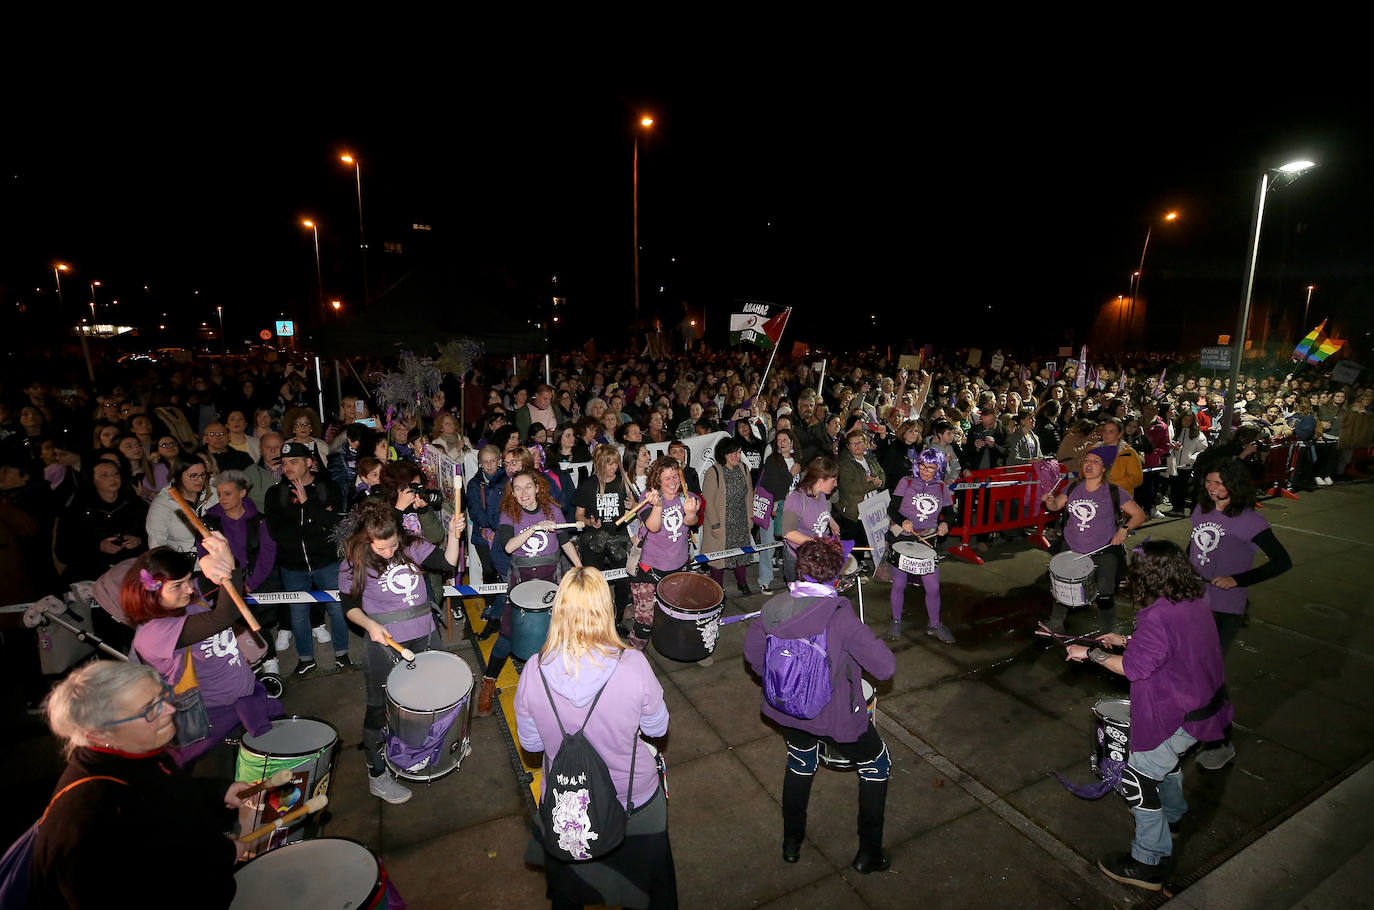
<point>323,578</point>
<point>766,557</point>
<point>1152,841</point>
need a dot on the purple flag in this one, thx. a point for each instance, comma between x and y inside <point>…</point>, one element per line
<point>1082,379</point>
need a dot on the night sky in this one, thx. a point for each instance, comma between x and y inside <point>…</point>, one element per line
<point>842,197</point>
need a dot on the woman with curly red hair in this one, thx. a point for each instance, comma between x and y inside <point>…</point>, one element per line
<point>665,540</point>
<point>526,532</point>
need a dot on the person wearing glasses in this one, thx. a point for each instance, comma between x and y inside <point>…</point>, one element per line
<point>167,527</point>
<point>217,444</point>
<point>121,791</point>
<point>176,631</point>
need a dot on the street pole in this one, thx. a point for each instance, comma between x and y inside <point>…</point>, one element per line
<point>636,224</point>
<point>223,342</point>
<point>1307,306</point>
<point>1243,317</point>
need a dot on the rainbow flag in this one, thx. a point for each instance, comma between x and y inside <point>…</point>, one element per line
<point>1316,346</point>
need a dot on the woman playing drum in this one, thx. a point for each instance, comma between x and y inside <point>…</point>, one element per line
<point>382,586</point>
<point>806,511</point>
<point>665,538</point>
<point>1227,530</point>
<point>1178,696</point>
<point>526,532</point>
<point>921,510</point>
<point>812,608</point>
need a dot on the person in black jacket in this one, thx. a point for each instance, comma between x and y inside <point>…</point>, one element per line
<point>302,508</point>
<point>986,445</point>
<point>103,525</point>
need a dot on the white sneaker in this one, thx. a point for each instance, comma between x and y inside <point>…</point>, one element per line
<point>271,665</point>
<point>321,635</point>
<point>1156,514</point>
<point>387,788</point>
<point>283,639</point>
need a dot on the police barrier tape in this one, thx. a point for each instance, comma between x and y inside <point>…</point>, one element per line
<point>330,596</point>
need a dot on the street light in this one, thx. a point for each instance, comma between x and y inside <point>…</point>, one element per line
<point>362,236</point>
<point>644,122</point>
<point>57,271</point>
<point>1135,278</point>
<point>336,304</point>
<point>1291,171</point>
<point>223,343</point>
<point>319,274</point>
<point>1307,306</point>
<point>94,285</point>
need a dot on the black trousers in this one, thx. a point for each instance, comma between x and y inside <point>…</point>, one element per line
<point>868,752</point>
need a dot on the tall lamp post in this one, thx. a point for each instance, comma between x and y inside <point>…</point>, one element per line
<point>644,122</point>
<point>1290,172</point>
<point>223,342</point>
<point>1307,306</point>
<point>57,271</point>
<point>362,236</point>
<point>319,274</point>
<point>1140,270</point>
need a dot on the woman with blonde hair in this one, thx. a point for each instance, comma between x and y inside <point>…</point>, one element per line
<point>584,667</point>
<point>600,500</point>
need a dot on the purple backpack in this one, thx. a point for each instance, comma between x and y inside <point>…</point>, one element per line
<point>796,674</point>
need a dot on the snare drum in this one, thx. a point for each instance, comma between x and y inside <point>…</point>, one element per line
<point>1073,579</point>
<point>1112,736</point>
<point>836,760</point>
<point>427,715</point>
<point>331,873</point>
<point>911,557</point>
<point>304,746</point>
<point>531,606</point>
<point>687,616</point>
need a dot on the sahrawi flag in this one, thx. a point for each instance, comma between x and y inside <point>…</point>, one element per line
<point>760,324</point>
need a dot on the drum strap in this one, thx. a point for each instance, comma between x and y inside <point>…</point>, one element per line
<point>1218,702</point>
<point>392,616</point>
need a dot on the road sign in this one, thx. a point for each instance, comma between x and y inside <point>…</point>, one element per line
<point>286,328</point>
<point>1216,358</point>
<point>265,335</point>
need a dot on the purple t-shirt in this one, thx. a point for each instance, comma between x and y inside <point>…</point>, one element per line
<point>540,543</point>
<point>666,550</point>
<point>399,587</point>
<point>922,502</point>
<point>813,514</point>
<point>632,694</point>
<point>1089,522</point>
<point>222,672</point>
<point>1173,661</point>
<point>1222,545</point>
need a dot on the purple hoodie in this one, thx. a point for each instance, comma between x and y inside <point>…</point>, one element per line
<point>236,532</point>
<point>633,701</point>
<point>849,644</point>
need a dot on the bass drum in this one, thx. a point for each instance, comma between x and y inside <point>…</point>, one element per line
<point>687,616</point>
<point>331,873</point>
<point>305,746</point>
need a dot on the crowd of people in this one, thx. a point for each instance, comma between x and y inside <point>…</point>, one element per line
<point>92,480</point>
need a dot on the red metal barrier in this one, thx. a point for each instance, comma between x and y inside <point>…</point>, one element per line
<point>981,505</point>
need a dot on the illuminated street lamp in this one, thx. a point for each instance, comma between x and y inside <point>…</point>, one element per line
<point>1307,306</point>
<point>1289,172</point>
<point>346,158</point>
<point>57,271</point>
<point>1135,278</point>
<point>223,343</point>
<point>319,274</point>
<point>645,123</point>
<point>336,304</point>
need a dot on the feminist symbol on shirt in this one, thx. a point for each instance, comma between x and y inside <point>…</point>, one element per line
<point>1084,510</point>
<point>221,645</point>
<point>821,525</point>
<point>398,579</point>
<point>925,506</point>
<point>672,522</point>
<point>536,543</point>
<point>1206,536</point>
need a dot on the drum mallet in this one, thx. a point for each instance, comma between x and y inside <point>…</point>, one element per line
<point>630,514</point>
<point>741,618</point>
<point>407,654</point>
<point>280,779</point>
<point>201,529</point>
<point>313,805</point>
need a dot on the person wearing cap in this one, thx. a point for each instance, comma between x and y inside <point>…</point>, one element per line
<point>1094,528</point>
<point>302,508</point>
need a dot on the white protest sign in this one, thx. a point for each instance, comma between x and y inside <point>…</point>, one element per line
<point>873,516</point>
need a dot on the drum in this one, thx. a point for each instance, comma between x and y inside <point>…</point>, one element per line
<point>304,746</point>
<point>427,715</point>
<point>1112,736</point>
<point>1073,579</point>
<point>330,873</point>
<point>836,760</point>
<point>911,557</point>
<point>531,606</point>
<point>687,616</point>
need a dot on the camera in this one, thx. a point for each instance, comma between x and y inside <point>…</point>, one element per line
<point>431,498</point>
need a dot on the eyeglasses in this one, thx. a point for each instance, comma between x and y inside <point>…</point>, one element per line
<point>200,476</point>
<point>214,434</point>
<point>168,445</point>
<point>150,713</point>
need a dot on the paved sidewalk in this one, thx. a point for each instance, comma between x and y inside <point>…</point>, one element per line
<point>973,818</point>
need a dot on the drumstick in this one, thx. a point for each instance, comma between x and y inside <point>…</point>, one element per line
<point>405,652</point>
<point>279,779</point>
<point>200,527</point>
<point>570,524</point>
<point>1047,632</point>
<point>313,805</point>
<point>632,513</point>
